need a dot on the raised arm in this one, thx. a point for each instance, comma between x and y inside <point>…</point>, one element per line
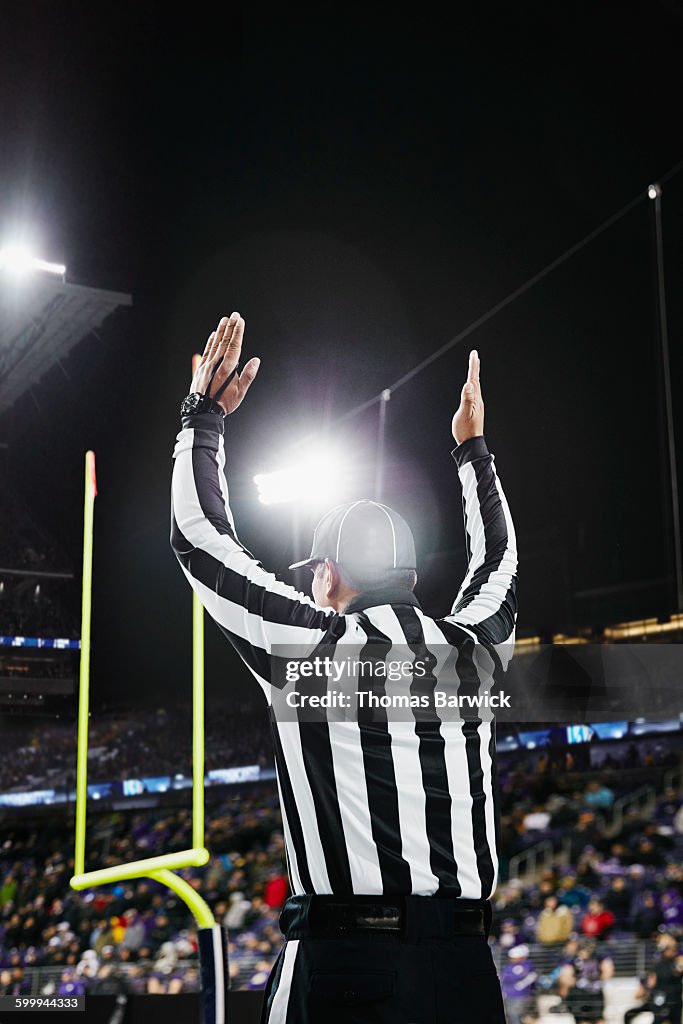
<point>486,603</point>
<point>250,605</point>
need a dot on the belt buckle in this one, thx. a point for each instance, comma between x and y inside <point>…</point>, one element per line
<point>379,917</point>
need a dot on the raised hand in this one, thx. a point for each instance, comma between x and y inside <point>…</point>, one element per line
<point>216,374</point>
<point>469,419</point>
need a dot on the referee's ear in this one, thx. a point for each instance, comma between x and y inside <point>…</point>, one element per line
<point>331,579</point>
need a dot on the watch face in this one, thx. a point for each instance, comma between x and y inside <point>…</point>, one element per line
<point>191,403</point>
<point>199,403</point>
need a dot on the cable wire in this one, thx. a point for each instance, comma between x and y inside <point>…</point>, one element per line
<point>485,317</point>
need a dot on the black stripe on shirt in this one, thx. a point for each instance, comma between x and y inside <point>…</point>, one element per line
<point>291,809</point>
<point>380,775</point>
<point>319,768</point>
<point>469,684</point>
<point>438,802</point>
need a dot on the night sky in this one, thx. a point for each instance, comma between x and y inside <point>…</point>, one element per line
<point>361,188</point>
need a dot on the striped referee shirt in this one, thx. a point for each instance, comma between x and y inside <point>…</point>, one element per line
<point>381,807</point>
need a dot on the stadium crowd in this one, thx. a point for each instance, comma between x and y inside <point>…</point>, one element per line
<point>129,744</point>
<point>613,885</point>
<point>136,742</point>
<point>88,937</point>
<point>618,881</point>
<point>540,798</point>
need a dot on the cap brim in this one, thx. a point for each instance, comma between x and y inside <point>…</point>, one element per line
<point>307,561</point>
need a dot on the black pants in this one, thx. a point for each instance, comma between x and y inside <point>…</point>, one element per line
<point>424,975</point>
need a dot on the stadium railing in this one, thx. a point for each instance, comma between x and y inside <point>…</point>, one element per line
<point>630,956</point>
<point>643,799</point>
<point>46,980</point>
<point>527,863</point>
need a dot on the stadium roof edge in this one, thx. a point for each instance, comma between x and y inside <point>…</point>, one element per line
<point>42,318</point>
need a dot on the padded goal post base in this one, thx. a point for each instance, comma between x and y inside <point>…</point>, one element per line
<point>215,976</point>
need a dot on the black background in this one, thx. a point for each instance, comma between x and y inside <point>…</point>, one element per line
<point>361,187</point>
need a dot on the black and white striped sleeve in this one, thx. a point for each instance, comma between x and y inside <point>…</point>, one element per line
<point>486,603</point>
<point>250,605</point>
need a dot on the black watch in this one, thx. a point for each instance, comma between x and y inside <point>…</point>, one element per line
<point>195,402</point>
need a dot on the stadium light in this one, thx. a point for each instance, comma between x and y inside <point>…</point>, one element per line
<point>18,260</point>
<point>313,478</point>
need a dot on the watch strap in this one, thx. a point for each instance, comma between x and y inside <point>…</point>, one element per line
<point>206,402</point>
<point>225,382</point>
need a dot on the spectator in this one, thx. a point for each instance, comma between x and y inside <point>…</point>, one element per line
<point>646,853</point>
<point>536,820</point>
<point>597,922</point>
<point>579,997</point>
<point>16,984</point>
<point>585,833</point>
<point>571,894</point>
<point>555,922</point>
<point>7,891</point>
<point>588,873</point>
<point>660,990</point>
<point>509,934</point>
<point>237,912</point>
<point>518,981</point>
<point>161,930</point>
<point>668,808</point>
<point>108,955</point>
<point>105,939</point>
<point>648,917</point>
<point>598,796</point>
<point>618,900</point>
<point>109,982</point>
<point>137,978</point>
<point>192,981</point>
<point>275,890</point>
<point>134,935</point>
<point>71,984</point>
<point>672,909</point>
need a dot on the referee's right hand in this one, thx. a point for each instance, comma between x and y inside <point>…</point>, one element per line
<point>469,419</point>
<point>214,373</point>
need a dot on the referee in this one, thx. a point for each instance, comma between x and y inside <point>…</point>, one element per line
<point>390,827</point>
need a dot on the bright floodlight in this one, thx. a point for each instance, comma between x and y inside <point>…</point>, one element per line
<point>314,477</point>
<point>19,260</point>
<point>654,190</point>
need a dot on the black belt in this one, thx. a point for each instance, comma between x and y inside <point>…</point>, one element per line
<point>333,916</point>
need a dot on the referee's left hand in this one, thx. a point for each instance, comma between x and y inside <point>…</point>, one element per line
<point>469,418</point>
<point>223,350</point>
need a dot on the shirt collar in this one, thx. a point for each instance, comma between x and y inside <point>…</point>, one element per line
<point>381,595</point>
